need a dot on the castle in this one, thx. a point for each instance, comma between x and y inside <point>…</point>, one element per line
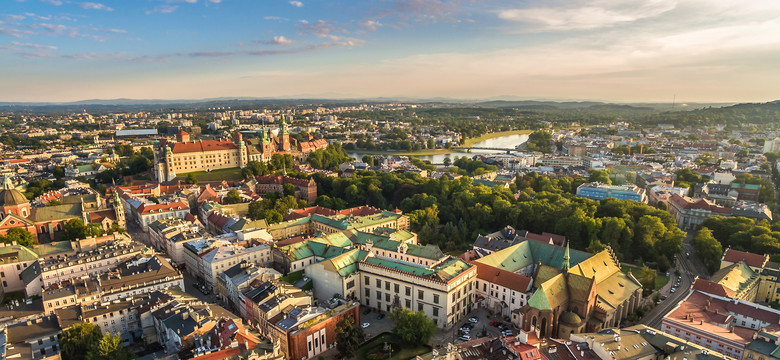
<point>185,156</point>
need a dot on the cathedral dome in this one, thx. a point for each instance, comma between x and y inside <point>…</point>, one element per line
<point>10,196</point>
<point>570,318</point>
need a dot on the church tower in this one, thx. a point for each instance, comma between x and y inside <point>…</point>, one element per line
<point>119,211</point>
<point>284,135</point>
<point>243,155</point>
<point>566,265</point>
<point>170,172</point>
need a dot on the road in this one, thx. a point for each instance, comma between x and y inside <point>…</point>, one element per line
<point>690,267</point>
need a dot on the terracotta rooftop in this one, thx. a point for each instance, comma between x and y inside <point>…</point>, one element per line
<point>752,260</point>
<point>203,145</point>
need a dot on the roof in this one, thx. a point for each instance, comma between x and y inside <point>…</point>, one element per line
<point>203,145</point>
<point>158,208</point>
<point>751,259</point>
<point>58,212</point>
<point>528,252</point>
<point>736,277</point>
<point>501,277</point>
<point>713,288</point>
<point>703,204</point>
<point>12,197</point>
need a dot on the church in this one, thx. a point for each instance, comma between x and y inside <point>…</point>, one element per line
<point>184,155</point>
<point>45,222</point>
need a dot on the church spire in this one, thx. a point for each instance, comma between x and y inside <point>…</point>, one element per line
<point>282,126</point>
<point>566,258</point>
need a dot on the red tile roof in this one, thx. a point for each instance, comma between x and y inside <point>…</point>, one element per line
<point>688,203</point>
<point>157,208</point>
<point>502,277</point>
<point>713,288</point>
<point>203,145</point>
<point>752,260</point>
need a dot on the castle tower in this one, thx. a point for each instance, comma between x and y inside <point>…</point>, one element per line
<point>266,145</point>
<point>182,136</point>
<point>566,265</point>
<point>284,135</point>
<point>243,155</point>
<point>170,173</point>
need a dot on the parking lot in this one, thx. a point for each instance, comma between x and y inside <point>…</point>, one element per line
<point>484,326</point>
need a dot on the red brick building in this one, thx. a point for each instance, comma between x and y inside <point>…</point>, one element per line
<point>305,332</point>
<point>304,189</point>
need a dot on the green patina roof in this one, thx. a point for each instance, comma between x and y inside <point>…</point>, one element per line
<point>736,185</point>
<point>52,248</point>
<point>445,271</point>
<point>428,251</point>
<point>326,247</point>
<point>23,253</point>
<point>57,212</point>
<point>282,225</point>
<point>530,252</point>
<point>737,276</point>
<point>550,294</point>
<point>347,264</point>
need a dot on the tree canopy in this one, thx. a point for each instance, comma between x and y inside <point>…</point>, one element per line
<point>413,327</point>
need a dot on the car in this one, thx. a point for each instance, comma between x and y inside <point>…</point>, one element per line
<point>365,325</point>
<point>667,273</point>
<point>663,297</point>
<point>493,323</point>
<point>465,330</point>
<point>688,254</point>
<point>380,316</point>
<point>473,320</point>
<point>368,310</point>
<point>466,337</point>
<point>658,302</point>
<point>506,332</point>
<point>468,326</point>
<point>203,289</point>
<point>671,291</point>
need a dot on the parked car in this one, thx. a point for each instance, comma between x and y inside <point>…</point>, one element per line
<point>365,325</point>
<point>507,332</point>
<point>465,330</point>
<point>473,320</point>
<point>494,323</point>
<point>466,337</point>
<point>380,316</point>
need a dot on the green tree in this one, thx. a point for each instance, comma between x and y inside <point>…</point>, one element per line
<point>647,278</point>
<point>413,327</point>
<point>368,159</point>
<point>601,176</point>
<point>191,179</point>
<point>272,216</point>
<point>75,229</point>
<point>349,336</point>
<point>232,197</point>
<point>288,189</point>
<point>19,235</point>
<point>708,248</point>
<point>78,340</point>
<point>110,348</point>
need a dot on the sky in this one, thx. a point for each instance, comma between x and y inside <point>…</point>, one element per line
<point>608,50</point>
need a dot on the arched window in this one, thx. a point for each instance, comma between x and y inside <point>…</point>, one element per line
<point>533,321</point>
<point>543,328</point>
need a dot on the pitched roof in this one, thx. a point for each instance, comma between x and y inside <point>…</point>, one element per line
<point>158,208</point>
<point>203,145</point>
<point>751,259</point>
<point>501,277</point>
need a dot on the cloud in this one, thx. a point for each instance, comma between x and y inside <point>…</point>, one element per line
<point>215,1</point>
<point>369,24</point>
<point>53,2</point>
<point>33,46</point>
<point>281,40</point>
<point>275,18</point>
<point>323,29</point>
<point>591,15</point>
<point>426,11</point>
<point>94,6</point>
<point>163,9</point>
<point>296,3</point>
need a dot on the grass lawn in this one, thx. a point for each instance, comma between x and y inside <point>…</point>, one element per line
<point>660,279</point>
<point>373,349</point>
<point>472,141</point>
<point>231,174</point>
<point>292,277</point>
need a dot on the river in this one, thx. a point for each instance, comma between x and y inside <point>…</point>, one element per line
<point>509,142</point>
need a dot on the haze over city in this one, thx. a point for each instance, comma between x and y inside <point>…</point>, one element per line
<point>615,50</point>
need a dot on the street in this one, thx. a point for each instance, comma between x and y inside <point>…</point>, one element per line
<point>689,267</point>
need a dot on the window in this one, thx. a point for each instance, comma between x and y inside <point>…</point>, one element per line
<point>387,285</point>
<point>408,304</point>
<point>435,299</point>
<point>408,291</point>
<point>379,295</point>
<point>397,288</point>
<point>419,307</point>
<point>387,297</point>
<point>419,294</point>
<point>435,311</point>
<point>378,283</point>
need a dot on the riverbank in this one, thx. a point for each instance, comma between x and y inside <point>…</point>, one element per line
<point>488,136</point>
<point>402,153</point>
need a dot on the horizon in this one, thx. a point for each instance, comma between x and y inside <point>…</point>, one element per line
<point>702,51</point>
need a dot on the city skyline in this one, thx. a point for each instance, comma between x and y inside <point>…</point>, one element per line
<point>698,51</point>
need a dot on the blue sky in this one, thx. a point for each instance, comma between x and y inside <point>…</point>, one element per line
<point>614,50</point>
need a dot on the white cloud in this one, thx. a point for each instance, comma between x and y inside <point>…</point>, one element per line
<point>296,3</point>
<point>163,9</point>
<point>94,6</point>
<point>370,25</point>
<point>281,40</point>
<point>53,2</point>
<point>33,46</point>
<point>591,15</point>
